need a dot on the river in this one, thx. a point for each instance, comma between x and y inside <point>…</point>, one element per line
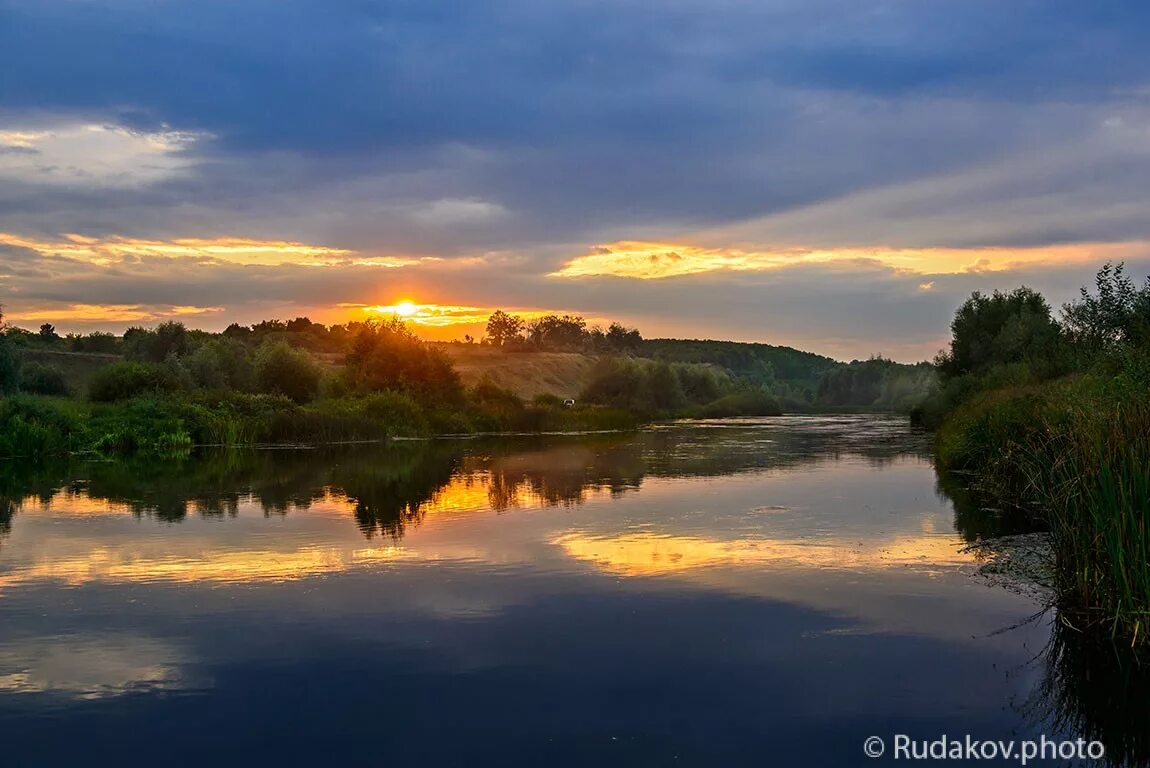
<point>755,592</point>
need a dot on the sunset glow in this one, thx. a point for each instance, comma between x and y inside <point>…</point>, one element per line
<point>651,261</point>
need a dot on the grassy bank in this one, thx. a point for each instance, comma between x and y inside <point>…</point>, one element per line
<point>1052,419</point>
<point>38,427</point>
<point>1074,452</point>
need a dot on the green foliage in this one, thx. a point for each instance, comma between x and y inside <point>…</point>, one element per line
<point>222,363</point>
<point>1076,451</point>
<point>1117,316</point>
<point>654,388</point>
<point>748,402</point>
<point>9,367</point>
<point>282,370</point>
<point>166,340</point>
<point>39,379</point>
<point>34,428</point>
<point>791,376</point>
<point>1004,328</point>
<point>388,356</point>
<point>96,342</point>
<point>876,383</point>
<point>125,380</point>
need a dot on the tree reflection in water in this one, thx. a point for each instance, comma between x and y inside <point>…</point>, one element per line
<point>1096,690</point>
<point>389,488</point>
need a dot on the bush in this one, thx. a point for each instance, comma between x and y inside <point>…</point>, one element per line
<point>389,356</point>
<point>35,429</point>
<point>156,345</point>
<point>96,342</point>
<point>38,379</point>
<point>122,381</point>
<point>282,370</point>
<point>9,367</point>
<point>222,364</point>
<point>400,415</point>
<point>146,425</point>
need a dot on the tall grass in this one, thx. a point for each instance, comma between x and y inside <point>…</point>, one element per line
<point>1090,469</point>
<point>1077,453</point>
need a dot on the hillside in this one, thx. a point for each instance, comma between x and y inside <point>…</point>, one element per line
<point>77,367</point>
<point>527,374</point>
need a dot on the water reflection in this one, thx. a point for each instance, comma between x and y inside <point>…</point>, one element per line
<point>392,487</point>
<point>1098,690</point>
<point>669,583</point>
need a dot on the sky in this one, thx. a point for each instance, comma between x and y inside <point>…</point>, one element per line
<point>834,175</point>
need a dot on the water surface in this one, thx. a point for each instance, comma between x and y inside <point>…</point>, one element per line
<point>730,593</point>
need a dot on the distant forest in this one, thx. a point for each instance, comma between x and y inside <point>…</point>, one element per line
<point>259,358</point>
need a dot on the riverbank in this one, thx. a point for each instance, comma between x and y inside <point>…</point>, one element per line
<point>1074,452</point>
<point>38,427</point>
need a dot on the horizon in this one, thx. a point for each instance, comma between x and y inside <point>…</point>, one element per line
<point>835,178</point>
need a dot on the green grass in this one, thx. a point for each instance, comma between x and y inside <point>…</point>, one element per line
<point>170,424</point>
<point>1076,452</point>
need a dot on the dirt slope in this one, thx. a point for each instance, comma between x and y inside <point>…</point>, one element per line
<point>527,374</point>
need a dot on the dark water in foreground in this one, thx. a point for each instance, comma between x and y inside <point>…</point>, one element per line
<point>762,593</point>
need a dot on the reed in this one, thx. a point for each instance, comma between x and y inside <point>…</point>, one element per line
<point>1075,452</point>
<point>1090,471</point>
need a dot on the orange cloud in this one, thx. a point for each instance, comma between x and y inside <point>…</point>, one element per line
<point>651,260</point>
<point>112,313</point>
<point>233,250</point>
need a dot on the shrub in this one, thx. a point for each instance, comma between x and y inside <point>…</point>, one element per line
<point>388,355</point>
<point>283,370</point>
<point>39,379</point>
<point>9,367</point>
<point>156,345</point>
<point>35,429</point>
<point>222,364</point>
<point>124,380</point>
<point>401,415</point>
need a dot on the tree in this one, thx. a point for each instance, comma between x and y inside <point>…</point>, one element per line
<point>283,370</point>
<point>388,355</point>
<point>125,380</point>
<point>502,327</point>
<point>558,332</point>
<point>9,363</point>
<point>1119,314</point>
<point>97,341</point>
<point>48,333</point>
<point>222,363</point>
<point>9,367</point>
<point>1003,328</point>
<point>621,339</point>
<point>155,346</point>
<point>42,379</point>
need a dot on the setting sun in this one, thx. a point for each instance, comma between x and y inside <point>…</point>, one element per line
<point>405,309</point>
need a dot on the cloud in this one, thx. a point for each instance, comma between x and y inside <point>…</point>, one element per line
<point>93,666</point>
<point>92,155</point>
<point>652,261</point>
<point>110,313</point>
<point>232,250</point>
<point>757,159</point>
